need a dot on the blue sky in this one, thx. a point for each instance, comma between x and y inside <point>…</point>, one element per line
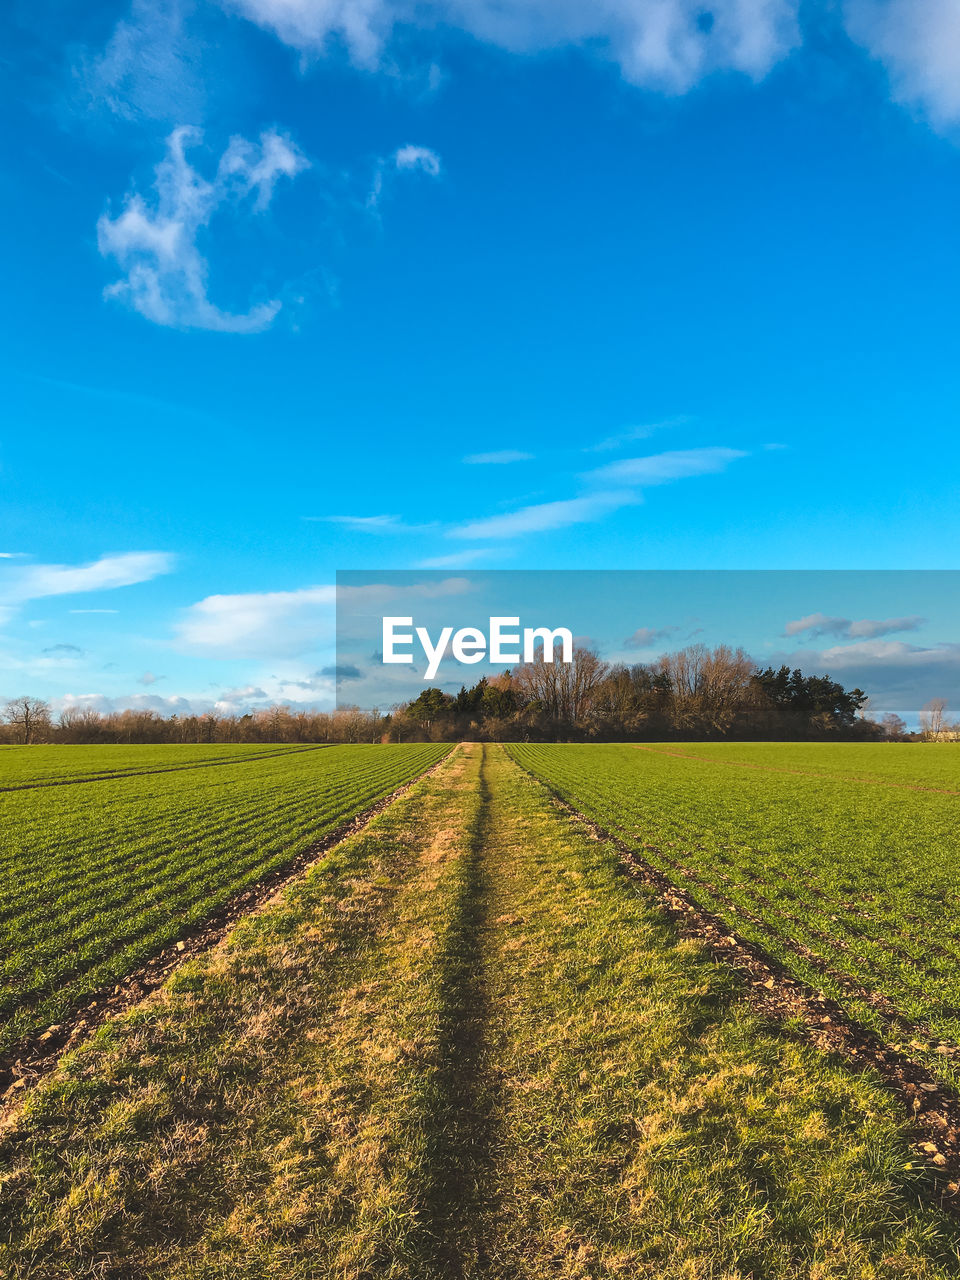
<point>300,285</point>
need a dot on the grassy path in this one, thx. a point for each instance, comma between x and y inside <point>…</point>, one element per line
<point>464,1048</point>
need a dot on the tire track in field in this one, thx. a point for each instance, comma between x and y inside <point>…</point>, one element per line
<point>801,773</point>
<point>170,768</point>
<point>932,1108</point>
<point>36,1055</point>
<point>459,1148</point>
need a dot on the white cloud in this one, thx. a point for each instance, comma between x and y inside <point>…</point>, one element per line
<point>34,582</point>
<point>175,705</point>
<point>371,524</point>
<point>868,628</point>
<point>918,43</point>
<point>165,274</point>
<point>412,159</point>
<point>546,515</point>
<point>458,559</point>
<point>644,637</point>
<point>257,168</point>
<point>499,457</point>
<point>150,68</point>
<point>634,433</point>
<point>406,159</point>
<point>898,676</point>
<point>259,624</point>
<point>666,44</point>
<point>662,468</point>
<point>636,473</point>
<point>285,624</point>
<point>815,625</point>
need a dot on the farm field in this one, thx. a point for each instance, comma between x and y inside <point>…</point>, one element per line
<point>96,877</point>
<point>463,1045</point>
<point>40,766</point>
<point>840,861</point>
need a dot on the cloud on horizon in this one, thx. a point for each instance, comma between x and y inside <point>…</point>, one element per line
<point>818,625</point>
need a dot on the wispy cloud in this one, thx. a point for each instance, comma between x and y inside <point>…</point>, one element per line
<point>630,434</point>
<point>817,625</point>
<point>459,559</point>
<point>150,67</point>
<point>622,483</point>
<point>546,515</point>
<point>405,160</point>
<point>371,524</point>
<point>663,468</point>
<point>670,45</point>
<point>94,611</point>
<point>157,244</point>
<point>499,457</point>
<point>36,581</point>
<point>64,649</point>
<point>644,637</point>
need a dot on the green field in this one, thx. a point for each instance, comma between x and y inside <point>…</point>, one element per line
<point>49,766</point>
<point>839,860</point>
<point>466,1045</point>
<point>96,876</point>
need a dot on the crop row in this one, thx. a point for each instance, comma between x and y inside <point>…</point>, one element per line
<point>53,766</point>
<point>93,880</point>
<point>839,861</point>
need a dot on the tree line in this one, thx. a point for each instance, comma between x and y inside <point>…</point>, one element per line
<point>695,693</point>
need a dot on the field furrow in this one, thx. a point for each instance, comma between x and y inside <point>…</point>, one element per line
<point>465,1046</point>
<point>96,880</point>
<point>851,887</point>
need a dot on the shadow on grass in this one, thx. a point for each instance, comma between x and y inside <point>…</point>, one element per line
<point>454,1197</point>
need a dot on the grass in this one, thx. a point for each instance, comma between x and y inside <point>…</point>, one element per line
<point>838,860</point>
<point>44,766</point>
<point>463,1046</point>
<point>95,877</point>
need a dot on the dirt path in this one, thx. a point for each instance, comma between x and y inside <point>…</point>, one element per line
<point>37,1055</point>
<point>464,1047</point>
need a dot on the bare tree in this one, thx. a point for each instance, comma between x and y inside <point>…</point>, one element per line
<point>894,727</point>
<point>931,719</point>
<point>708,686</point>
<point>564,689</point>
<point>30,718</point>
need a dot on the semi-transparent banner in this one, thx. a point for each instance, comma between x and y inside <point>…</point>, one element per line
<point>894,634</point>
